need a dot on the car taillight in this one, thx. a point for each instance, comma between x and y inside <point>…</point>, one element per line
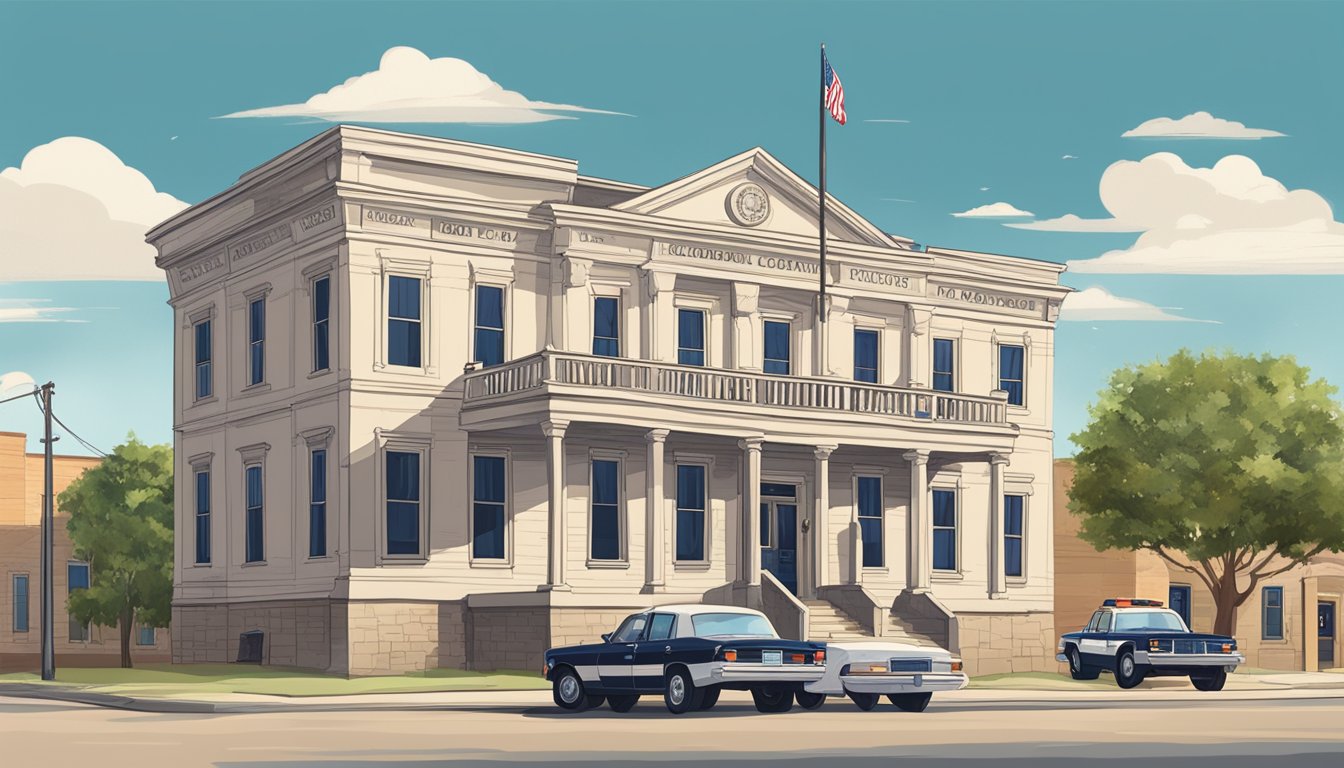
<point>1153,645</point>
<point>797,658</point>
<point>956,665</point>
<point>729,656</point>
<point>819,657</point>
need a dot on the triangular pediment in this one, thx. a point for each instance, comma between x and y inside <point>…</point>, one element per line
<point>722,194</point>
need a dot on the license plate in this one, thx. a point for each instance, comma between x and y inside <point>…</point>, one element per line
<point>772,657</point>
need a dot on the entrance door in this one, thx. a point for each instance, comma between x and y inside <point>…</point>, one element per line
<point>779,533</point>
<point>1325,634</point>
<point>1178,597</point>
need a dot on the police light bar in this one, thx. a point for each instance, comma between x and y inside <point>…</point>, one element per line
<point>1127,602</point>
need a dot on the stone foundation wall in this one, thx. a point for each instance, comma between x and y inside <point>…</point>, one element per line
<point>392,638</point>
<point>993,644</point>
<point>509,637</point>
<point>201,635</point>
<point>297,632</point>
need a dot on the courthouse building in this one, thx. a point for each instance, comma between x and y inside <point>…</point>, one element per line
<point>440,404</point>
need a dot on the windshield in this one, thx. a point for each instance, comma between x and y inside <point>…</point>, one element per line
<point>1130,621</point>
<point>738,624</point>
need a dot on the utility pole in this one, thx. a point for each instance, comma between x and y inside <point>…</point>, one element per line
<point>48,604</point>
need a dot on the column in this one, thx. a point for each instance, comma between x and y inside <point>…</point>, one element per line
<point>555,507</point>
<point>660,319</point>
<point>746,327</point>
<point>835,354</point>
<point>655,504</point>
<point>919,347</point>
<point>751,509</point>
<point>920,523</point>
<point>998,584</point>
<point>576,332</point>
<point>821,533</point>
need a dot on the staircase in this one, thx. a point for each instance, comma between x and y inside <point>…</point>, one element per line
<point>914,631</point>
<point>825,622</point>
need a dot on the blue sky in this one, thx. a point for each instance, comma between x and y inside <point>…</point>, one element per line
<point>995,95</point>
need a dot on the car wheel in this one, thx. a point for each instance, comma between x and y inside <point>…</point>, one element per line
<point>910,702</point>
<point>1127,671</point>
<point>808,700</point>
<point>680,693</point>
<point>864,701</point>
<point>567,690</point>
<point>1210,681</point>
<point>623,703</point>
<point>710,698</point>
<point>772,699</point>
<point>1077,670</point>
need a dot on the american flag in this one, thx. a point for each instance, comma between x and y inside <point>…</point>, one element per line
<point>834,91</point>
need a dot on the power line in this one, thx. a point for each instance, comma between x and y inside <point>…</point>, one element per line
<point>16,397</point>
<point>72,432</point>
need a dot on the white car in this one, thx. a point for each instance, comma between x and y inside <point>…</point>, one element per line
<point>908,675</point>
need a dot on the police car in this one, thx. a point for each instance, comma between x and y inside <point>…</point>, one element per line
<point>1134,638</point>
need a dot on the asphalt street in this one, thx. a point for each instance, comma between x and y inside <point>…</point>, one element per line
<point>1223,731</point>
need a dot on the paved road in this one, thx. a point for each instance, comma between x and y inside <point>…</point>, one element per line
<point>1227,733</point>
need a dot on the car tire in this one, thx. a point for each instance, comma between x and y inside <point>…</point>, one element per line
<point>1077,669</point>
<point>910,702</point>
<point>567,690</point>
<point>1209,681</point>
<point>864,701</point>
<point>679,692</point>
<point>809,700</point>
<point>710,697</point>
<point>623,703</point>
<point>772,699</point>
<point>1128,673</point>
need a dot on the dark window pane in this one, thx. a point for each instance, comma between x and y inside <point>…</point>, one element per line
<point>255,549</point>
<point>488,530</point>
<point>1010,372</point>
<point>661,626</point>
<point>1012,556</point>
<point>605,482</point>
<point>203,342</point>
<point>321,299</point>
<point>945,550</point>
<point>865,356</point>
<point>403,297</point>
<point>786,526</point>
<point>77,575</point>
<point>202,517</point>
<point>606,532</point>
<point>318,477</point>
<point>785,490</point>
<point>766,537</point>
<point>690,337</point>
<point>489,479</point>
<point>403,343</point>
<point>317,506</point>
<point>606,326</point>
<point>871,530</point>
<point>690,534</point>
<point>489,346</point>
<point>321,315</point>
<point>321,347</point>
<point>403,476</point>
<point>21,609</point>
<point>1012,515</point>
<point>489,306</point>
<point>203,383</point>
<point>258,363</point>
<point>690,487</point>
<point>403,527</point>
<point>254,486</point>
<point>691,357</point>
<point>943,371</point>
<point>944,508</point>
<point>870,496</point>
<point>776,347</point>
<point>257,321</point>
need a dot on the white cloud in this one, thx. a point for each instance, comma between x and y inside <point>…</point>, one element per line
<point>1200,125</point>
<point>34,311</point>
<point>1069,157</point>
<point>998,210</point>
<point>1228,219</point>
<point>984,189</point>
<point>410,87</point>
<point>1097,304</point>
<point>74,211</point>
<point>16,381</point>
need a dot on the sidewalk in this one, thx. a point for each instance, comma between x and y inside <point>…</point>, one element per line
<point>1248,687</point>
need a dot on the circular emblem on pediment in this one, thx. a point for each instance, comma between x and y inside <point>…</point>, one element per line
<point>748,204</point>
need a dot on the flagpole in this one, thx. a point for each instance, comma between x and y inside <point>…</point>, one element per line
<point>822,366</point>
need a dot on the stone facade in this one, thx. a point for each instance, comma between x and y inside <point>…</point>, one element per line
<point>992,644</point>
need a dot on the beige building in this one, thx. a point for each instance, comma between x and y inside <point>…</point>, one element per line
<point>444,404</point>
<point>1289,622</point>
<point>21,485</point>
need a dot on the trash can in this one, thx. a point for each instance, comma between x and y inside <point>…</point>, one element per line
<point>249,646</point>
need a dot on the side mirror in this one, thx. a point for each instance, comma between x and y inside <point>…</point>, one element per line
<point>606,638</point>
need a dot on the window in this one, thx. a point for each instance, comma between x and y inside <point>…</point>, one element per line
<point>203,517</point>
<point>255,522</point>
<point>869,490</point>
<point>77,578</point>
<point>403,502</point>
<point>631,629</point>
<point>1012,535</point>
<point>488,519</point>
<point>690,512</point>
<point>865,355</point>
<point>489,325</point>
<point>147,636</point>
<point>1271,613</point>
<point>317,504</point>
<point>1011,378</point>
<point>1104,623</point>
<point>1092,625</point>
<point>606,511</point>
<point>691,336</point>
<point>321,323</point>
<point>256,341</point>
<point>944,367</point>
<point>661,626</point>
<point>403,321</point>
<point>944,530</point>
<point>20,602</point>
<point>1138,621</point>
<point>731,625</point>
<point>204,377</point>
<point>777,357</point>
<point>607,326</point>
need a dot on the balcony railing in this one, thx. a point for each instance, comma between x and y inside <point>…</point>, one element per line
<point>727,386</point>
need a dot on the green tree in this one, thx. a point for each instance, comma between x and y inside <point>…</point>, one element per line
<point>121,523</point>
<point>1227,466</point>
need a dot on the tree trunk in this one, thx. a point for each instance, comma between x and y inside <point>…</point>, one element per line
<point>127,618</point>
<point>1226,600</point>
